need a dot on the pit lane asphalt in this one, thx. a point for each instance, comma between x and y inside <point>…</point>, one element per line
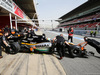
<point>79,65</point>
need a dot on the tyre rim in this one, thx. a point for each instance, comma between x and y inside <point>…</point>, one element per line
<point>75,51</point>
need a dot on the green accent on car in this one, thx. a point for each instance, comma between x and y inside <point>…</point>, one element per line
<point>42,49</point>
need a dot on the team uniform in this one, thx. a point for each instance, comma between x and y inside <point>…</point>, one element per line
<point>0,48</point>
<point>70,35</point>
<point>60,46</point>
<point>94,44</point>
<point>7,49</point>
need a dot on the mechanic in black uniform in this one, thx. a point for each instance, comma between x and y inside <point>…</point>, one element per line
<point>14,31</point>
<point>29,37</point>
<point>4,42</point>
<point>0,43</point>
<point>29,34</point>
<point>32,32</point>
<point>0,50</point>
<point>60,45</point>
<point>92,43</point>
<point>6,29</point>
<point>24,30</point>
<point>24,33</point>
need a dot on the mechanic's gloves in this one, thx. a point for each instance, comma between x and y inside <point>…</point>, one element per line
<point>8,46</point>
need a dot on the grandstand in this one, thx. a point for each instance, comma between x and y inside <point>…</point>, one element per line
<point>84,17</point>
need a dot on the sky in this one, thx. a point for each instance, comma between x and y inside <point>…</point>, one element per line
<point>48,10</point>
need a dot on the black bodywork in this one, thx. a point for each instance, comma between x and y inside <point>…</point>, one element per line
<point>36,43</point>
<point>39,43</point>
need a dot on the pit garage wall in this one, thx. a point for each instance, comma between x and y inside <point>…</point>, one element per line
<point>12,8</point>
<point>5,20</point>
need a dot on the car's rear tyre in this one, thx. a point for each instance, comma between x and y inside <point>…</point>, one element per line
<point>98,50</point>
<point>75,51</point>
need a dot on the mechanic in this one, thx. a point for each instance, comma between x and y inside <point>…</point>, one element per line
<point>32,32</point>
<point>70,34</point>
<point>0,44</point>
<point>1,32</point>
<point>6,29</point>
<point>4,42</point>
<point>29,34</point>
<point>95,33</point>
<point>91,33</point>
<point>92,43</point>
<point>14,30</point>
<point>60,45</point>
<point>25,30</point>
<point>24,33</point>
<point>0,50</point>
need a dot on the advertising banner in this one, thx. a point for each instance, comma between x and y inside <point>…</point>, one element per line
<point>12,7</point>
<point>18,11</point>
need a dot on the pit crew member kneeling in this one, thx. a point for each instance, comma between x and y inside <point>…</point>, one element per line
<point>60,45</point>
<point>4,42</point>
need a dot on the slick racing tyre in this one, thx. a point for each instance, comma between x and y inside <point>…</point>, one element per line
<point>75,51</point>
<point>15,47</point>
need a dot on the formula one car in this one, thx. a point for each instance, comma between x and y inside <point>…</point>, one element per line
<point>39,43</point>
<point>36,43</point>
